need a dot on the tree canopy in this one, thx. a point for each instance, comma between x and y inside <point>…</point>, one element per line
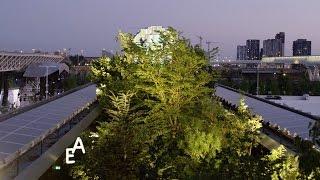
<point>161,121</point>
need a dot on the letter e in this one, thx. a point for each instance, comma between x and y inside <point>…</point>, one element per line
<point>69,154</point>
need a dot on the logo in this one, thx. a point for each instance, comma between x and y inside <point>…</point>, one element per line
<point>78,145</point>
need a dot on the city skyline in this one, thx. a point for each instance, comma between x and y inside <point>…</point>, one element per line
<point>50,25</point>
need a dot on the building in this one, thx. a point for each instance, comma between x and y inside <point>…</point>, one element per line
<point>253,49</point>
<point>261,53</point>
<point>105,53</point>
<point>272,48</point>
<point>301,47</point>
<point>241,52</point>
<point>281,36</point>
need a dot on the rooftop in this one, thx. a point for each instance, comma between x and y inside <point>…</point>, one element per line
<point>309,104</point>
<point>295,123</point>
<point>21,132</point>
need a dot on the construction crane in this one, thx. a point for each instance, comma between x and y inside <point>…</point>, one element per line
<point>209,50</point>
<point>200,41</point>
<point>209,43</point>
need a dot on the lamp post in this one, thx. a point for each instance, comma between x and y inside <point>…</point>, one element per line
<point>47,77</point>
<point>258,76</point>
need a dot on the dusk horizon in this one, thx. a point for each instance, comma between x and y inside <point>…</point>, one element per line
<point>94,25</point>
<point>167,89</point>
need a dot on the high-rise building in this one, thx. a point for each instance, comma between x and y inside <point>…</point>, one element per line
<point>272,48</point>
<point>301,47</point>
<point>261,53</point>
<point>281,36</point>
<point>241,52</point>
<point>253,49</point>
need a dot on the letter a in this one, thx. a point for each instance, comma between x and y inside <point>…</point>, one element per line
<point>78,145</point>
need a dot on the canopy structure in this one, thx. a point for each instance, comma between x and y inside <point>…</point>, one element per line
<point>293,122</point>
<point>40,69</point>
<point>16,61</point>
<point>306,60</point>
<point>20,133</point>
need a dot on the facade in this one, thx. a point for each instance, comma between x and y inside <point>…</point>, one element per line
<point>253,49</point>
<point>281,36</point>
<point>241,52</point>
<point>272,48</point>
<point>301,47</point>
<point>261,53</point>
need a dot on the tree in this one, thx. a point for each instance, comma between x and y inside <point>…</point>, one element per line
<point>161,121</point>
<point>113,151</point>
<point>283,166</point>
<point>70,83</point>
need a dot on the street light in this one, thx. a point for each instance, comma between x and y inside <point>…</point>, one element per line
<point>47,77</point>
<point>258,79</point>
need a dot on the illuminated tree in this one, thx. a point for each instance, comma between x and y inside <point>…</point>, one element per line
<point>283,166</point>
<point>160,120</point>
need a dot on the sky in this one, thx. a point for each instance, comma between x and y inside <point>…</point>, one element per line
<point>92,25</point>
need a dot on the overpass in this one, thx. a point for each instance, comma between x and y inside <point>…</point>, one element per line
<point>271,65</point>
<point>33,138</point>
<point>287,60</point>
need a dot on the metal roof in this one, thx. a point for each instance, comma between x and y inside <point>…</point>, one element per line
<point>307,60</point>
<point>310,105</point>
<point>18,61</point>
<point>293,122</point>
<point>20,133</point>
<point>40,70</point>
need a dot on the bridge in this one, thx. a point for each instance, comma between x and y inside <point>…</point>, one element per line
<point>33,138</point>
<point>287,60</point>
<point>269,65</point>
<point>17,61</point>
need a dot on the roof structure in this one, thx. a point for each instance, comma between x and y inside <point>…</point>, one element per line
<point>307,104</point>
<point>293,122</point>
<point>307,60</point>
<point>40,70</point>
<point>18,61</point>
<point>21,132</point>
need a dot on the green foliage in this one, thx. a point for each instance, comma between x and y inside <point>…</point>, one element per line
<point>283,166</point>
<point>161,122</point>
<point>70,83</point>
<point>113,149</point>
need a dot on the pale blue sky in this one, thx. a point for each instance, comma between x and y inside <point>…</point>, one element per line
<point>92,24</point>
